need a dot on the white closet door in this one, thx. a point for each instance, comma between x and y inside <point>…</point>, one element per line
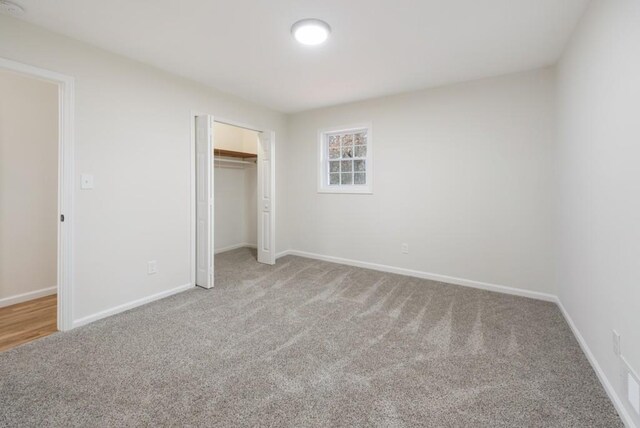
<point>204,201</point>
<point>266,193</point>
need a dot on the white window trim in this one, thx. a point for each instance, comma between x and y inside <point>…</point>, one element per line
<point>323,164</point>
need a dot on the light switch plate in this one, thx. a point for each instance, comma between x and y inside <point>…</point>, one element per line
<point>616,342</point>
<point>86,181</point>
<point>152,267</point>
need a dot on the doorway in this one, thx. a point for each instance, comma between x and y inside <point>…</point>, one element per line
<point>233,190</point>
<point>235,187</point>
<point>35,180</point>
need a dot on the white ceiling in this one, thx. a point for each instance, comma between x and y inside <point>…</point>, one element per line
<point>377,47</point>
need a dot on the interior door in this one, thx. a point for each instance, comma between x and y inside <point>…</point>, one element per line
<point>204,201</point>
<point>266,193</point>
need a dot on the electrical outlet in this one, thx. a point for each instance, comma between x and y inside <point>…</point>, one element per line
<point>616,342</point>
<point>404,248</point>
<point>152,267</point>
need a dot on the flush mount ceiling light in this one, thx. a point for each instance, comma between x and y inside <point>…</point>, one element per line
<point>11,8</point>
<point>311,31</point>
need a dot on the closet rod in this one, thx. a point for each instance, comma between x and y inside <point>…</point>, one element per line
<point>219,159</point>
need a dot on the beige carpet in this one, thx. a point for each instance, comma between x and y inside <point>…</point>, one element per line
<point>308,343</point>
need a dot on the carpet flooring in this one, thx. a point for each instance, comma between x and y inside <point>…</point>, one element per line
<point>309,343</point>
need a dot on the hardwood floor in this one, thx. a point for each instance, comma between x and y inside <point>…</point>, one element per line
<point>27,321</point>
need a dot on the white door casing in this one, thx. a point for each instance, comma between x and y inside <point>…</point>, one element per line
<point>266,196</point>
<point>204,201</point>
<point>66,109</point>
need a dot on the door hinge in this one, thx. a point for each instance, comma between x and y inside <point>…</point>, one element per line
<point>62,217</point>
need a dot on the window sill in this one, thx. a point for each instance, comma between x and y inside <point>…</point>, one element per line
<point>349,191</point>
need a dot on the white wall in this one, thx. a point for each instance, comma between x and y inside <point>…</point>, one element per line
<point>235,207</point>
<point>462,174</point>
<point>229,207</point>
<point>251,205</point>
<point>132,131</point>
<point>599,176</point>
<point>28,185</point>
<point>236,139</point>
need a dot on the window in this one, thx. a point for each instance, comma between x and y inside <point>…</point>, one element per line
<point>345,160</point>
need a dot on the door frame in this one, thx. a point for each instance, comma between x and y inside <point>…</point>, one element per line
<point>192,180</point>
<point>66,99</point>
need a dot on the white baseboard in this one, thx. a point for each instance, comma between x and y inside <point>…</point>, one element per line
<point>130,305</point>
<point>611,392</point>
<point>19,298</point>
<point>234,247</point>
<point>425,275</point>
<point>282,254</point>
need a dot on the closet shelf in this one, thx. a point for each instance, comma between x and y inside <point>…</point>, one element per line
<point>233,154</point>
<point>232,161</point>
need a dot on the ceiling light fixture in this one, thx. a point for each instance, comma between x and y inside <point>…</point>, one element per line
<point>311,31</point>
<point>11,8</point>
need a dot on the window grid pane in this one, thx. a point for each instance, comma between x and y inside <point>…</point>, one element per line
<point>347,153</point>
<point>346,178</point>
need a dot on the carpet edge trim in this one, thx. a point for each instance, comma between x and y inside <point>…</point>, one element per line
<point>425,275</point>
<point>130,305</point>
<point>234,247</point>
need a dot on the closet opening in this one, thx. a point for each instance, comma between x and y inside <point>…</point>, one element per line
<point>233,194</point>
<point>235,199</point>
